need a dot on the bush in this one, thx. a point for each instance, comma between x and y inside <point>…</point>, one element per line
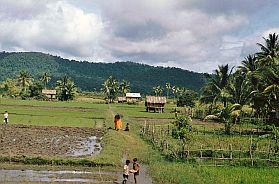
<point>182,129</point>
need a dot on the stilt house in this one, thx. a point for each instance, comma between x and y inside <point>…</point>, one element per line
<point>155,103</point>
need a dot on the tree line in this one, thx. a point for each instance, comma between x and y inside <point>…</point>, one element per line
<point>26,86</point>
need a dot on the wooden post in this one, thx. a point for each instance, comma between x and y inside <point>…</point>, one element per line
<point>203,130</point>
<point>214,151</point>
<point>231,151</point>
<point>201,152</point>
<point>240,151</point>
<point>250,150</point>
<point>153,130</point>
<point>168,129</point>
<point>144,127</point>
<point>269,149</point>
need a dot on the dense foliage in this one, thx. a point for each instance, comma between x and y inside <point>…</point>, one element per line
<point>255,83</point>
<point>91,76</point>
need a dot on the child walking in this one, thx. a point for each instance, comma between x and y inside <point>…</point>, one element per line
<point>6,118</point>
<point>136,168</point>
<point>126,172</point>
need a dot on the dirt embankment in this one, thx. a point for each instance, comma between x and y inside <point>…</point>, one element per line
<point>18,140</point>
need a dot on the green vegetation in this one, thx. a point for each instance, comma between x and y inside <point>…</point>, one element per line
<point>120,144</point>
<point>91,76</point>
<point>254,83</point>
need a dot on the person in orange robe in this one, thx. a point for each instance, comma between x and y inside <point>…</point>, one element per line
<point>117,122</point>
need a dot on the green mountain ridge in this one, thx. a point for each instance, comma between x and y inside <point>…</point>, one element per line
<point>90,75</point>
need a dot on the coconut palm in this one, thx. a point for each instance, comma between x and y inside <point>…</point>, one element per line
<point>168,87</point>
<point>240,88</point>
<point>269,50</point>
<point>124,87</point>
<point>271,75</point>
<point>71,90</point>
<point>216,88</point>
<point>45,79</point>
<point>66,88</point>
<point>175,90</point>
<point>110,89</point>
<point>25,79</point>
<point>250,68</point>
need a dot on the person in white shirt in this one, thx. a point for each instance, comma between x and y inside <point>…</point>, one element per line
<point>6,117</point>
<point>126,172</point>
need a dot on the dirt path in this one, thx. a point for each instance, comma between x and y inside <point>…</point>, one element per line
<point>144,177</point>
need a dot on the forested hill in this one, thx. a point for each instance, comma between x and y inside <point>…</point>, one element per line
<point>90,76</point>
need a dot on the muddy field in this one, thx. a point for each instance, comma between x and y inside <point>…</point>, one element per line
<point>18,140</point>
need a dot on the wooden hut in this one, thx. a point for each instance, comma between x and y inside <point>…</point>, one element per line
<point>51,94</point>
<point>121,99</point>
<point>133,97</point>
<point>155,103</point>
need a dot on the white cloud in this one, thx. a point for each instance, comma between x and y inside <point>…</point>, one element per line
<point>61,28</point>
<point>196,35</point>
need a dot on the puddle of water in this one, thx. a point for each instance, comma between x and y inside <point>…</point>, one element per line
<point>46,176</point>
<point>90,146</point>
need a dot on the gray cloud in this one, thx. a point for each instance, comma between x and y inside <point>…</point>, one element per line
<point>196,34</point>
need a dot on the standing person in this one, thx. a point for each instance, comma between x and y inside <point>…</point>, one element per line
<point>126,172</point>
<point>136,168</point>
<point>6,117</point>
<point>117,122</point>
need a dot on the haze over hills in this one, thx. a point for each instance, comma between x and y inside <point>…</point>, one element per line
<point>90,76</point>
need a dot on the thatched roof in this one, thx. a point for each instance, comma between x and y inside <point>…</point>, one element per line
<point>156,99</point>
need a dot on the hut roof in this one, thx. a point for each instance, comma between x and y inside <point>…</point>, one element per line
<point>133,95</point>
<point>156,99</point>
<point>49,92</point>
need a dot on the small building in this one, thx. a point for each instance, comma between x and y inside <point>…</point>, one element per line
<point>155,103</point>
<point>51,94</point>
<point>121,99</point>
<point>132,97</point>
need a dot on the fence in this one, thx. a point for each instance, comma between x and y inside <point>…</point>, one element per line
<point>159,136</point>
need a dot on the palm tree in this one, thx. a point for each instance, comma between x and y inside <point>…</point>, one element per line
<point>168,87</point>
<point>216,88</point>
<point>66,88</point>
<point>175,90</point>
<point>45,79</point>
<point>271,75</point>
<point>71,90</point>
<point>250,68</point>
<point>240,88</point>
<point>269,50</point>
<point>158,90</point>
<point>25,79</point>
<point>110,88</point>
<point>124,87</point>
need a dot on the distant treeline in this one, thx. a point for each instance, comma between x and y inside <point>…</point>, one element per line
<point>90,76</point>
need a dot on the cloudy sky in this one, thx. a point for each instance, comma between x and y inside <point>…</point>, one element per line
<point>196,35</point>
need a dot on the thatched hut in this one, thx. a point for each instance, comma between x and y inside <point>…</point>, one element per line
<point>51,94</point>
<point>121,99</point>
<point>155,103</point>
<point>129,98</point>
<point>133,97</point>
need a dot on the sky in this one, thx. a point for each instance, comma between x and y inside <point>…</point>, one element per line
<point>196,35</point>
